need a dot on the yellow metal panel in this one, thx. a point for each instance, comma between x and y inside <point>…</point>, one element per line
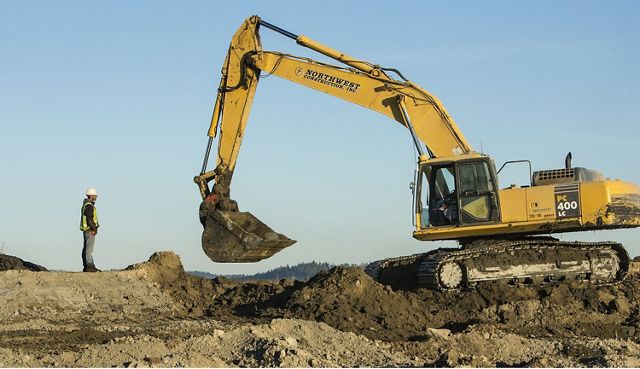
<point>540,203</point>
<point>513,205</point>
<point>594,197</point>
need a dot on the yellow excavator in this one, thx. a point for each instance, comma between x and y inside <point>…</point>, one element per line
<point>503,233</point>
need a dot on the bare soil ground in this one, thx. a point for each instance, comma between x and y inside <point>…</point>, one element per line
<point>154,314</point>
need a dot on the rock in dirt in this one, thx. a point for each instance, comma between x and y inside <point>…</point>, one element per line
<point>438,333</point>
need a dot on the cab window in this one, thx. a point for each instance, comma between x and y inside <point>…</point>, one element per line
<point>443,204</point>
<point>477,193</point>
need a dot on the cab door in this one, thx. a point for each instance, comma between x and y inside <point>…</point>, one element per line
<point>477,193</point>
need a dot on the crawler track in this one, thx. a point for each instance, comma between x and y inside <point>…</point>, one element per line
<point>529,260</point>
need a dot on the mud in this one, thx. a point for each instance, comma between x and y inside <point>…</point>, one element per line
<point>348,300</point>
<point>154,314</point>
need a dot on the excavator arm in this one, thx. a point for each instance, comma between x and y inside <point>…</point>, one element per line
<point>234,236</point>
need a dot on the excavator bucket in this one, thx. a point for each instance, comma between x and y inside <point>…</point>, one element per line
<point>240,237</point>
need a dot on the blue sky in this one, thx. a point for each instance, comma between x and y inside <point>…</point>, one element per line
<point>118,95</point>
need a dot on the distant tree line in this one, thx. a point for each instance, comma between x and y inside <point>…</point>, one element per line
<point>301,272</point>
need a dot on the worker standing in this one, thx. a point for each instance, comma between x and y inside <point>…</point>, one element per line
<point>89,227</point>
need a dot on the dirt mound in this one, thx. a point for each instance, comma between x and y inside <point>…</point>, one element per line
<point>349,300</point>
<point>278,343</point>
<point>154,314</point>
<point>27,296</point>
<point>193,293</point>
<point>8,262</point>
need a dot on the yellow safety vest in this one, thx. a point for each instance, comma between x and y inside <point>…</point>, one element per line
<point>83,220</point>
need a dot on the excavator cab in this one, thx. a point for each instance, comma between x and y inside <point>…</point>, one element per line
<point>457,193</point>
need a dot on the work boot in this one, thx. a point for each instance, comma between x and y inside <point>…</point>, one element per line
<point>91,268</point>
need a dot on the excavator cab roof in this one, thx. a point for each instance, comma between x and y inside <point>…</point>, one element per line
<point>449,159</point>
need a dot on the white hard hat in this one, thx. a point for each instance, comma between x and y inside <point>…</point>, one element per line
<point>91,191</point>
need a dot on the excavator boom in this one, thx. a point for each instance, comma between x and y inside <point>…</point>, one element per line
<point>234,236</point>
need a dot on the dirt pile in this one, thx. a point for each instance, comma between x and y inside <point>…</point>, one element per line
<point>191,292</point>
<point>80,297</point>
<point>159,285</point>
<point>154,314</point>
<point>279,343</point>
<point>8,262</point>
<point>349,300</point>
